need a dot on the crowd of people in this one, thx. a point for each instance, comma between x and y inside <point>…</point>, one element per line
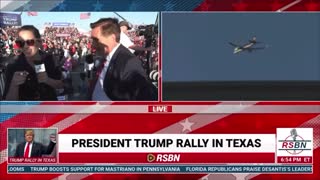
<point>71,52</point>
<point>7,39</point>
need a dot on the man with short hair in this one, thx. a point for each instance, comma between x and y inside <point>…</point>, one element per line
<point>122,77</point>
<point>30,148</point>
<point>124,38</point>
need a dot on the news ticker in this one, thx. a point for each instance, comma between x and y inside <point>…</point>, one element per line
<point>162,169</point>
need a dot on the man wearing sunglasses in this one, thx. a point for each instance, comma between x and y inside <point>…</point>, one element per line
<point>121,75</point>
<point>22,80</point>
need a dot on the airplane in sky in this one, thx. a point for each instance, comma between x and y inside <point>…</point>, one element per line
<point>246,47</point>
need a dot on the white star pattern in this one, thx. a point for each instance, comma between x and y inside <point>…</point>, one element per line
<point>205,178</point>
<point>186,125</point>
<point>97,6</point>
<point>62,6</point>
<point>133,6</point>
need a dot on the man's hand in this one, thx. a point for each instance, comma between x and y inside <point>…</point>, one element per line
<point>53,138</point>
<point>42,77</point>
<point>19,77</point>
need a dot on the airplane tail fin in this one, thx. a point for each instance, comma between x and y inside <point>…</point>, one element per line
<point>253,40</point>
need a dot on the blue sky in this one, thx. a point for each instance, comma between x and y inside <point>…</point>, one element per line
<point>74,17</point>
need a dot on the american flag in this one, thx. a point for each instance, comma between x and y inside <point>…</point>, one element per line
<point>32,13</point>
<point>85,15</point>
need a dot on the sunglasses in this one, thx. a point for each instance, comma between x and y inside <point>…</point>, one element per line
<point>20,43</point>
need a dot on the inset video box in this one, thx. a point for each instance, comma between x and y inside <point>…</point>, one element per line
<point>240,56</point>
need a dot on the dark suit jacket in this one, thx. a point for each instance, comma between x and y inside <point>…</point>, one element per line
<point>126,79</point>
<point>37,150</point>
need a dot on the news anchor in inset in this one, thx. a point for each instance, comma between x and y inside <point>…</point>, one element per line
<point>121,76</point>
<point>33,76</point>
<point>30,148</point>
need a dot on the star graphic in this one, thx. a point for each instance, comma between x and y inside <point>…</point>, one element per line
<point>169,6</point>
<point>205,177</point>
<point>186,125</point>
<point>133,6</point>
<point>97,6</point>
<point>240,6</point>
<point>276,5</point>
<point>27,7</point>
<point>312,6</point>
<point>62,6</point>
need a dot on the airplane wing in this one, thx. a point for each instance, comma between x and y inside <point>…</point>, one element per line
<point>234,45</point>
<point>256,42</point>
<point>256,48</point>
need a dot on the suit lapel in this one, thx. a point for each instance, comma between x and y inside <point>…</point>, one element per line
<point>33,150</point>
<point>111,65</point>
<point>114,57</point>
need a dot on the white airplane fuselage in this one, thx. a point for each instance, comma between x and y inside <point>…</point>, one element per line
<point>240,49</point>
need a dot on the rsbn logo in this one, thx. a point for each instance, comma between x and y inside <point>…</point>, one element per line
<point>294,143</point>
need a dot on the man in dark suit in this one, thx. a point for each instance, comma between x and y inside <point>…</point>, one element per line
<point>121,77</point>
<point>31,149</point>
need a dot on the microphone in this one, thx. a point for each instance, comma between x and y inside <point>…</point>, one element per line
<point>294,134</point>
<point>89,58</point>
<point>90,64</point>
<point>40,67</point>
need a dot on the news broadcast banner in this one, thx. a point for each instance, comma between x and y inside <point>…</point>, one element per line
<point>164,140</point>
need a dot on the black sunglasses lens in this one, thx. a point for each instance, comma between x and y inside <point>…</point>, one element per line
<point>20,43</point>
<point>30,42</point>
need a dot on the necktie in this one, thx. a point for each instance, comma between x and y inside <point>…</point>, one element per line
<point>100,69</point>
<point>95,79</point>
<point>26,153</point>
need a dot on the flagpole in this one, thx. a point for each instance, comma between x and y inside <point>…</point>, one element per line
<point>121,16</point>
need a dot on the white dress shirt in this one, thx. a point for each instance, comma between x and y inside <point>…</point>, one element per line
<point>98,93</point>
<point>126,42</point>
